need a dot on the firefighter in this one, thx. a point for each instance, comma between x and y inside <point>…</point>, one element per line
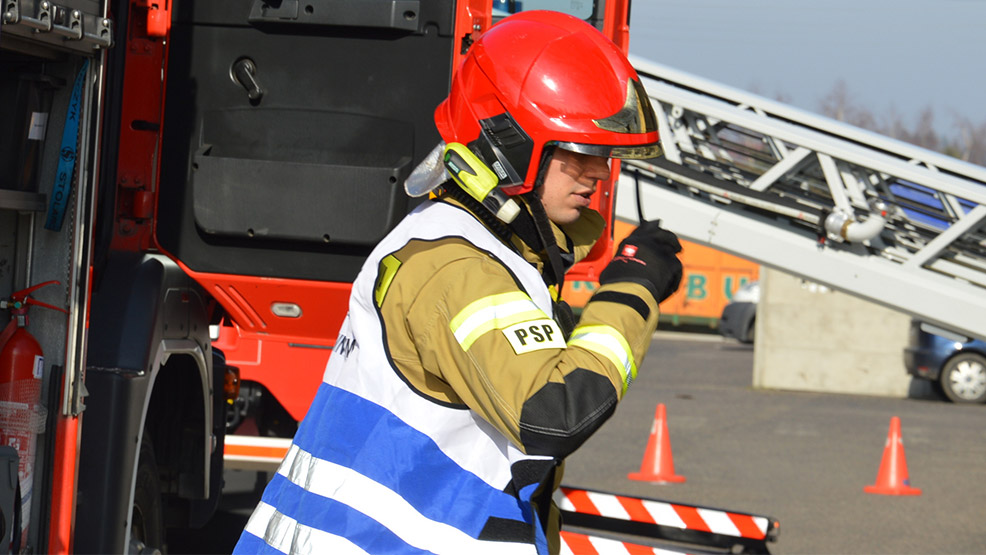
<point>459,382</point>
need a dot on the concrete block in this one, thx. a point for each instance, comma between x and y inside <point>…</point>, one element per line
<point>811,338</point>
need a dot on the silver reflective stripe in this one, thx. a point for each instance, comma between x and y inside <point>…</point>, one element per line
<point>610,344</point>
<point>362,494</point>
<point>286,535</point>
<point>494,312</point>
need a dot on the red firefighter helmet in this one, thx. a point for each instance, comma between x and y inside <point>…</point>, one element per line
<point>544,78</point>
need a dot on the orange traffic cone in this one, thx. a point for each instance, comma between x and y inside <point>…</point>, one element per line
<point>658,465</point>
<point>892,477</point>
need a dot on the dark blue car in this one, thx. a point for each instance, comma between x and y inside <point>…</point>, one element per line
<point>955,363</point>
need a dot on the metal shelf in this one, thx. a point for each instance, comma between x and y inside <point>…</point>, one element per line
<point>23,201</point>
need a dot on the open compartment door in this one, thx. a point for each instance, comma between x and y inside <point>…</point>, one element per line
<point>290,127</point>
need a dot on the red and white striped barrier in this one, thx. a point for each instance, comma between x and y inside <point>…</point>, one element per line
<point>581,544</point>
<point>623,514</point>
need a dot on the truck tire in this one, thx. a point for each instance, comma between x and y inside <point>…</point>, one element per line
<point>963,378</point>
<point>147,516</point>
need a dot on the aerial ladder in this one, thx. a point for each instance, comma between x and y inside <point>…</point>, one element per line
<point>862,213</point>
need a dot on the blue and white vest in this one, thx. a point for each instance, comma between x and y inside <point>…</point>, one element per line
<point>377,468</point>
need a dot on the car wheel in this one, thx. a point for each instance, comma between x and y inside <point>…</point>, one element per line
<point>147,517</point>
<point>963,378</point>
<point>751,331</point>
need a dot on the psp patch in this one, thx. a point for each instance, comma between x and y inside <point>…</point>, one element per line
<point>534,335</point>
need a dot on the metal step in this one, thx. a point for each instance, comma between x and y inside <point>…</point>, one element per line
<point>862,213</point>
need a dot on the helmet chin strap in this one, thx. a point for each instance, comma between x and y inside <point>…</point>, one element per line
<point>554,275</point>
<point>556,268</point>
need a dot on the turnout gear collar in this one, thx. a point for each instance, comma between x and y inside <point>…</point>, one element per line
<point>574,240</point>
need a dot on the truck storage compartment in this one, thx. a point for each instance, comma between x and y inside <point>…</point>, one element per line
<point>301,175</point>
<point>289,130</point>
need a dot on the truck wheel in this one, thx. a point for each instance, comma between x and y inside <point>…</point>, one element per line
<point>147,516</point>
<point>963,378</point>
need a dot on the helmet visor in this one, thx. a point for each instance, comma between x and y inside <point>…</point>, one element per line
<point>629,152</point>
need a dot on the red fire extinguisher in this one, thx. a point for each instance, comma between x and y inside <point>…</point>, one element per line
<point>21,370</point>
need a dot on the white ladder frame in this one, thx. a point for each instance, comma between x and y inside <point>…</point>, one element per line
<point>773,175</point>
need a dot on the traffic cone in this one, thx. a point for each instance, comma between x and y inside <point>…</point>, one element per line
<point>658,465</point>
<point>892,477</point>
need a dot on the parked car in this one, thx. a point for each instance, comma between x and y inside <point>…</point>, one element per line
<point>739,316</point>
<point>952,361</point>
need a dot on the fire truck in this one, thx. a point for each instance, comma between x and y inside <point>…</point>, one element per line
<point>187,190</point>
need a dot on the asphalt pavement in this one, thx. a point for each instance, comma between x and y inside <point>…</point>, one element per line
<point>801,458</point>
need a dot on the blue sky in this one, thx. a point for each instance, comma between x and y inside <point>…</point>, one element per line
<point>894,56</point>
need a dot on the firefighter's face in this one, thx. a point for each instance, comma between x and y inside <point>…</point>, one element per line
<point>569,183</point>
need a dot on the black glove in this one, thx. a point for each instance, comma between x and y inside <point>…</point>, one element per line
<point>647,256</point>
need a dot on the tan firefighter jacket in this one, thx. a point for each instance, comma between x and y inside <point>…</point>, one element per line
<point>545,394</point>
<point>452,398</point>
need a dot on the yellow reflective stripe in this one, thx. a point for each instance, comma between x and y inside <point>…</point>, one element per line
<point>389,266</point>
<point>609,343</point>
<point>493,313</point>
<point>553,289</point>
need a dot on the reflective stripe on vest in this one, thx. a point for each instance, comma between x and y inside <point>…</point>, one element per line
<point>376,467</point>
